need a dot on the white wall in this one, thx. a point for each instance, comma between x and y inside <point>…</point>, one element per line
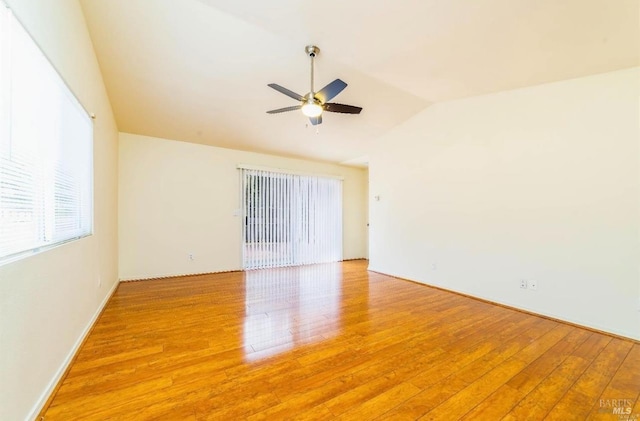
<point>178,198</point>
<point>539,183</point>
<point>49,300</point>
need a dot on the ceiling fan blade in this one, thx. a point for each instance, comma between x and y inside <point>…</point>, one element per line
<point>342,108</point>
<point>285,91</point>
<point>331,90</point>
<point>285,109</point>
<point>316,120</point>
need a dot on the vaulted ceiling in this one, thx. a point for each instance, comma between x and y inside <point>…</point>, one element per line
<point>197,70</point>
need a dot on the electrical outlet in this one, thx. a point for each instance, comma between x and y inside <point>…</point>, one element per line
<point>99,281</point>
<point>533,285</point>
<point>191,258</point>
<point>434,266</point>
<point>523,283</point>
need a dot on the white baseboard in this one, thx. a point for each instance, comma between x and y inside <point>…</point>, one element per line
<point>65,364</point>
<point>148,277</point>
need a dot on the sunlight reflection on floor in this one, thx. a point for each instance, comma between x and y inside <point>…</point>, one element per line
<point>289,307</point>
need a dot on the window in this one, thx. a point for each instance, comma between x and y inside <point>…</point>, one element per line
<point>290,219</point>
<point>46,150</point>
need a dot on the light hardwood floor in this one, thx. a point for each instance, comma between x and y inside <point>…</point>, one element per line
<point>336,342</point>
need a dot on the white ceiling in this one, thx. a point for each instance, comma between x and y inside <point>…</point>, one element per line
<point>197,70</point>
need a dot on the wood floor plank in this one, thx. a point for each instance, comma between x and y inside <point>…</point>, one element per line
<point>381,403</point>
<point>539,402</point>
<point>585,393</point>
<point>425,401</point>
<point>499,403</point>
<point>469,363</point>
<point>334,342</point>
<point>619,393</point>
<point>96,405</point>
<point>459,404</point>
<point>368,364</point>
<point>362,391</point>
<point>305,398</point>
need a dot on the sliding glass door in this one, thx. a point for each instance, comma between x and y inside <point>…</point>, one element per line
<point>290,219</point>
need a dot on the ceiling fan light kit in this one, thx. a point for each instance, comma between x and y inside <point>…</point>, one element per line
<point>312,108</point>
<point>314,103</point>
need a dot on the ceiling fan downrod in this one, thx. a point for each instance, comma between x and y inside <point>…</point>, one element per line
<point>311,51</point>
<point>311,107</point>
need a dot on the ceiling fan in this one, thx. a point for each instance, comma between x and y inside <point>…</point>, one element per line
<point>314,103</point>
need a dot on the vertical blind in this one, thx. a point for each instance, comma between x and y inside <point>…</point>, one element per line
<point>46,156</point>
<point>290,219</point>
